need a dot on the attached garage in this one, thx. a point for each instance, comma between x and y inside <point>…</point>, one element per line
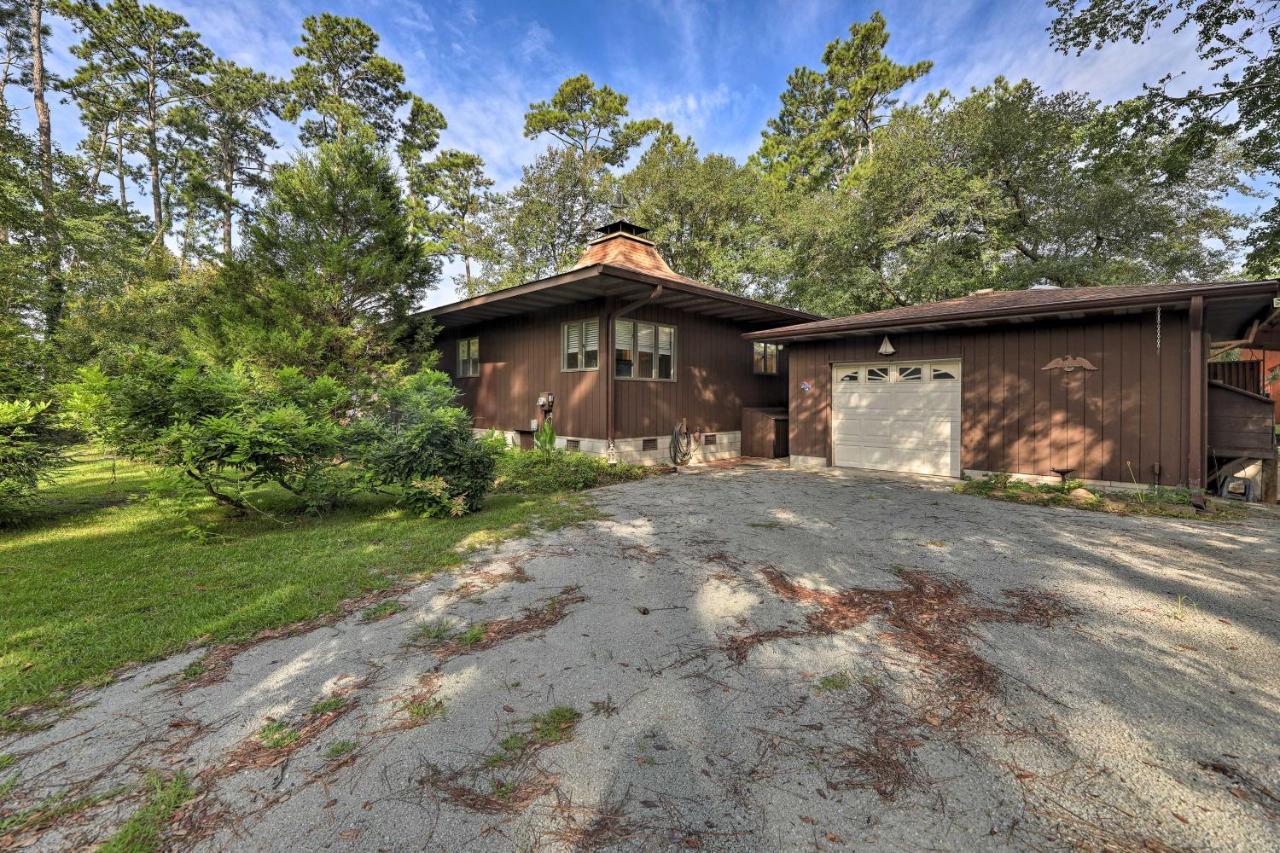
<point>1104,384</point>
<point>897,416</point>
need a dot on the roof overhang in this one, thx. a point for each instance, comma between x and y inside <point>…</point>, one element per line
<point>1234,311</point>
<point>603,280</point>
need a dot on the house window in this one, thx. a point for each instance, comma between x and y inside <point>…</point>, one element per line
<point>851,376</point>
<point>469,357</point>
<point>649,444</point>
<point>580,345</point>
<point>877,374</point>
<point>644,350</point>
<point>572,445</point>
<point>765,357</point>
<point>709,440</point>
<point>910,374</point>
<point>942,374</point>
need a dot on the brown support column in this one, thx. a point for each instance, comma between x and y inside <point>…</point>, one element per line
<point>1196,414</point>
<point>606,364</point>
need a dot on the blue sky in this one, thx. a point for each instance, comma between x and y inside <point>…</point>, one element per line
<point>714,69</point>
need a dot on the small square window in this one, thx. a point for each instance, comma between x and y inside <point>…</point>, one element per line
<point>877,374</point>
<point>572,445</point>
<point>580,345</point>
<point>649,444</point>
<point>764,357</point>
<point>910,374</point>
<point>709,440</point>
<point>942,374</point>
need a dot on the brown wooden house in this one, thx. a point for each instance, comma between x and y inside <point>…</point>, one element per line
<point>618,350</point>
<point>1104,384</point>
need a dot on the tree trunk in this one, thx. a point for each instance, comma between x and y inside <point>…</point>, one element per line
<point>100,156</point>
<point>124,197</point>
<point>153,158</point>
<point>56,290</point>
<point>228,207</point>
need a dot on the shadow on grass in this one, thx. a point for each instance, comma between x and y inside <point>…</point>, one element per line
<point>111,579</point>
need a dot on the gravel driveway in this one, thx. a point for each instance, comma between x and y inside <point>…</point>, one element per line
<point>743,659</point>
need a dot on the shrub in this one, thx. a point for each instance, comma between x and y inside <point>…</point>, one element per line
<point>424,446</point>
<point>536,472</point>
<point>230,429</point>
<point>544,438</point>
<point>28,456</point>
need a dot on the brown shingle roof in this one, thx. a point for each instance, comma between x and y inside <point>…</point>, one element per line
<point>993,305</point>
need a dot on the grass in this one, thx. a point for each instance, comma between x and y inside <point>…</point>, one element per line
<point>378,612</point>
<point>109,578</point>
<point>424,710</point>
<point>324,706</point>
<point>51,810</point>
<point>142,831</point>
<point>545,729</point>
<point>1160,501</point>
<point>1181,608</point>
<point>472,635</point>
<point>834,682</point>
<point>340,749</point>
<point>435,631</point>
<point>277,735</point>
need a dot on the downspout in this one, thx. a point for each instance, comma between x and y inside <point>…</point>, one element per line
<point>612,315</point>
<point>1196,406</point>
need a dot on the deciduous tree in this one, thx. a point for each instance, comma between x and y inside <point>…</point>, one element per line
<point>1240,42</point>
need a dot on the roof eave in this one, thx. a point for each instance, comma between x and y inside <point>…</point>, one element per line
<point>627,273</point>
<point>979,317</point>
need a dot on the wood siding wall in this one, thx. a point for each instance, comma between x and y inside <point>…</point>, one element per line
<point>520,359</point>
<point>1270,367</point>
<point>1131,411</point>
<point>1240,423</point>
<point>714,380</point>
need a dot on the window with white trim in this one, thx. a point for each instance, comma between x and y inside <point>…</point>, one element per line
<point>469,357</point>
<point>910,373</point>
<point>580,345</point>
<point>877,374</point>
<point>764,357</point>
<point>644,350</point>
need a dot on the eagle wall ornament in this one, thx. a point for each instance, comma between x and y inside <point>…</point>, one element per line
<point>1069,363</point>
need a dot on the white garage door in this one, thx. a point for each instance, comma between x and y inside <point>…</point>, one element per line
<point>897,416</point>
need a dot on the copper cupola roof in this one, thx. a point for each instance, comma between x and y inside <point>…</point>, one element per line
<point>620,244</point>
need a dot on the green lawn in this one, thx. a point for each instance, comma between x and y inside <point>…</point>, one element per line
<point>112,578</point>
